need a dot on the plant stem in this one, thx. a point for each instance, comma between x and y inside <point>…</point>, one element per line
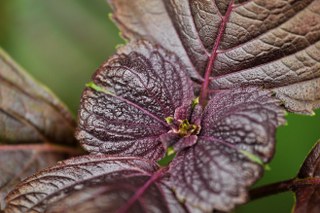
<point>282,186</point>
<point>271,189</point>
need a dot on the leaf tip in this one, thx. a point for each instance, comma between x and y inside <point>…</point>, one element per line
<point>121,35</point>
<point>170,151</point>
<point>97,88</point>
<point>118,46</point>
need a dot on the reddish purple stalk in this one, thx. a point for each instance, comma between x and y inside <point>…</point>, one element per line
<point>142,190</point>
<point>282,186</point>
<point>210,65</point>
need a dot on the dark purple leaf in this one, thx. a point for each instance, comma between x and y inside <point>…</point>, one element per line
<point>308,193</point>
<point>141,104</point>
<point>124,111</point>
<point>237,134</point>
<point>274,44</point>
<point>31,118</point>
<point>96,183</point>
<point>245,117</point>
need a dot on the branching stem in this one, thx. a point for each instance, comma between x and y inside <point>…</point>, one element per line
<point>271,189</point>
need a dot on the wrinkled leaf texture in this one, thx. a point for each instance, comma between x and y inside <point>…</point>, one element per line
<point>274,44</point>
<point>148,85</point>
<point>31,118</point>
<point>308,196</point>
<point>96,183</point>
<point>141,86</point>
<point>135,90</point>
<point>215,173</point>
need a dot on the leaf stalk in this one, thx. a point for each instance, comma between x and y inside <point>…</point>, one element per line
<point>282,186</point>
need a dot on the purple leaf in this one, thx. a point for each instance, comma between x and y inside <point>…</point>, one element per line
<point>308,193</point>
<point>141,104</point>
<point>237,127</point>
<point>245,117</point>
<point>31,120</point>
<point>28,111</point>
<point>96,183</point>
<point>124,111</point>
<point>211,175</point>
<point>224,44</point>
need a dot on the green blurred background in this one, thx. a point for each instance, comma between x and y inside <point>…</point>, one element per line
<point>61,43</point>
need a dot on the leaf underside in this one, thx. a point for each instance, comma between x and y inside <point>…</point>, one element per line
<point>274,44</point>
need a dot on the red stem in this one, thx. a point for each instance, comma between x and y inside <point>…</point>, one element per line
<point>282,186</point>
<point>270,189</point>
<point>205,84</point>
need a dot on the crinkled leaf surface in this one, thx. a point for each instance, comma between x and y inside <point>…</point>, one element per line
<point>135,90</point>
<point>308,196</point>
<point>96,183</point>
<point>274,44</point>
<point>30,118</point>
<point>125,113</point>
<point>215,173</point>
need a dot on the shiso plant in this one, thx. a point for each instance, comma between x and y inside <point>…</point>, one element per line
<point>181,119</point>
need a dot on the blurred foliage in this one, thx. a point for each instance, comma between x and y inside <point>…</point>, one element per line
<point>62,43</point>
